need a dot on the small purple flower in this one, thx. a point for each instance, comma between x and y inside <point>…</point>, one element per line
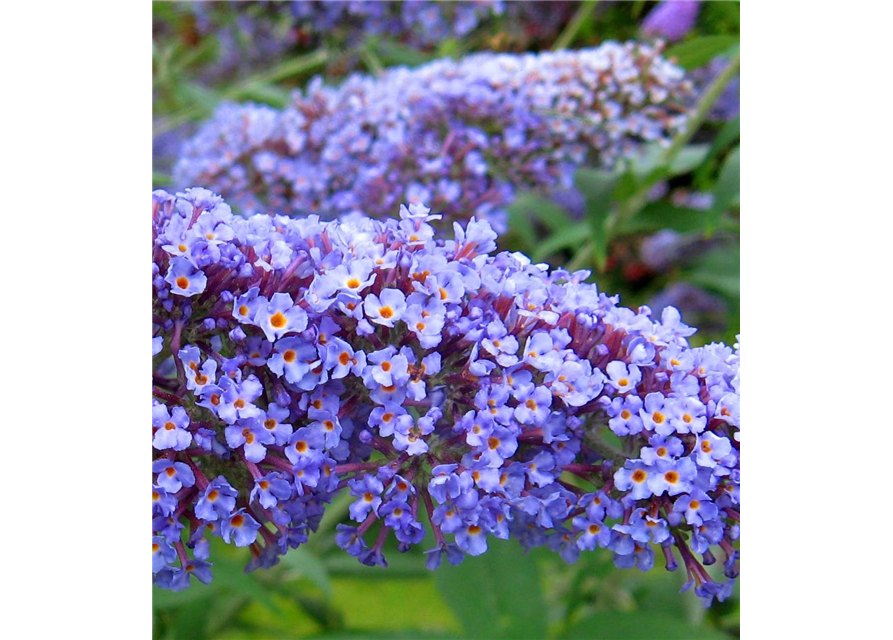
<point>655,414</point>
<point>454,555</point>
<point>624,414</point>
<point>349,539</point>
<point>270,490</point>
<point>172,476</point>
<point>294,358</point>
<point>472,539</point>
<point>592,532</point>
<point>163,554</point>
<point>368,491</point>
<point>634,476</point>
<point>184,278</point>
<point>534,408</point>
<point>240,528</point>
<point>163,503</point>
<point>671,19</point>
<point>280,316</point>
<point>250,433</point>
<point>696,507</point>
<point>623,377</point>
<point>672,477</point>
<point>170,428</point>
<point>385,309</point>
<point>217,500</point>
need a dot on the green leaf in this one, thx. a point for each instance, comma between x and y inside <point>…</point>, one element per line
<point>652,165</point>
<point>191,623</point>
<point>599,189</point>
<point>728,135</point>
<point>620,625</point>
<point>726,190</point>
<point>270,94</point>
<point>688,159</point>
<point>195,94</point>
<point>449,48</point>
<point>529,206</point>
<point>160,180</point>
<point>520,226</point>
<point>497,594</point>
<point>699,51</point>
<point>719,270</point>
<point>394,53</point>
<point>629,185</point>
<point>229,574</point>
<point>571,236</point>
<point>165,599</point>
<point>302,563</point>
<point>664,215</point>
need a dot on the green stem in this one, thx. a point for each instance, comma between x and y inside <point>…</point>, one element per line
<point>570,31</point>
<point>708,99</point>
<point>372,62</point>
<point>581,258</point>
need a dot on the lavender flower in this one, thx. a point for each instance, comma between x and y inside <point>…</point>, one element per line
<point>463,136</point>
<point>416,23</point>
<point>477,427</point>
<point>671,20</point>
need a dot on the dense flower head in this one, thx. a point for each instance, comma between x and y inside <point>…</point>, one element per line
<point>419,23</point>
<point>301,365</point>
<point>462,136</point>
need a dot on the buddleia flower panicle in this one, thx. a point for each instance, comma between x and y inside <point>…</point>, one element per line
<point>462,136</point>
<point>299,364</point>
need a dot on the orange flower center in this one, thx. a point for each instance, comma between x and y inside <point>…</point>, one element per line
<point>277,320</point>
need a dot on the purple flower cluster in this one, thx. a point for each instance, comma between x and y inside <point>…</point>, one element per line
<point>461,136</point>
<point>418,23</point>
<point>671,20</point>
<point>440,385</point>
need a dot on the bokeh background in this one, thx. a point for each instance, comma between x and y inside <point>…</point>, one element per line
<point>673,241</point>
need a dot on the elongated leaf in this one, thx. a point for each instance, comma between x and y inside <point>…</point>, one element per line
<point>727,189</point>
<point>302,563</point>
<point>229,574</point>
<point>191,623</point>
<point>160,180</point>
<point>651,164</point>
<point>572,236</point>
<point>728,135</point>
<point>699,51</point>
<point>394,53</point>
<point>664,215</point>
<point>688,159</point>
<point>599,189</point>
<point>496,595</point>
<point>264,93</point>
<point>530,206</point>
<point>164,599</point>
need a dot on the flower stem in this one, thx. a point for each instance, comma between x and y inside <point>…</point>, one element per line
<point>572,29</point>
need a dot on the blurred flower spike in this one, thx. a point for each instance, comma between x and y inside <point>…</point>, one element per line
<point>463,136</point>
